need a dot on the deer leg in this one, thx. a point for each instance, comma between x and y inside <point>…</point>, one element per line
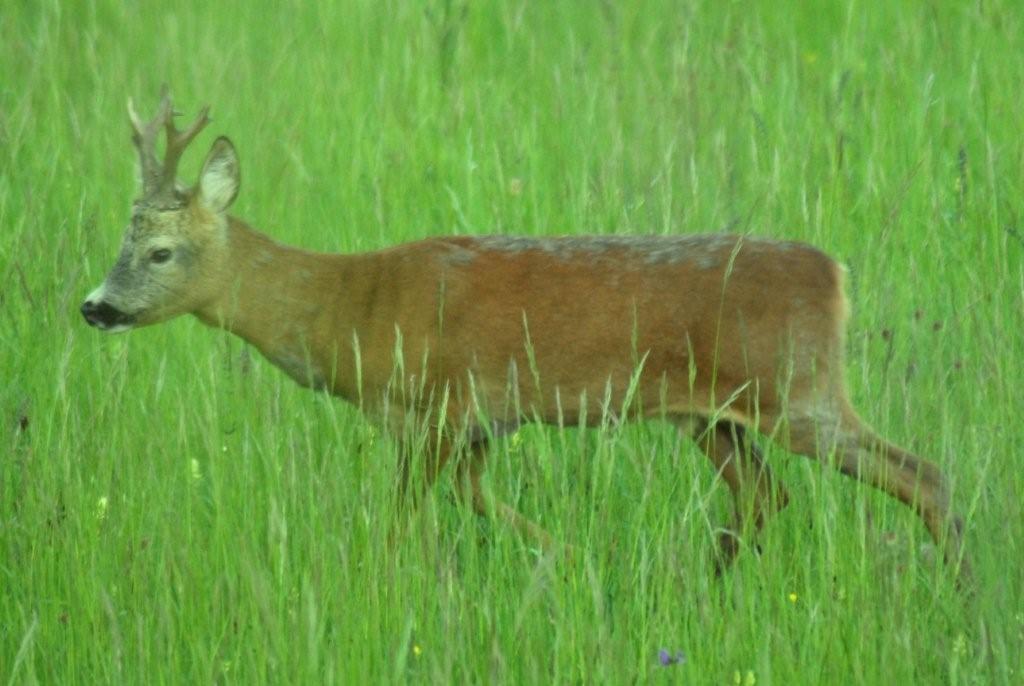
<point>469,465</point>
<point>412,485</point>
<point>755,492</point>
<point>851,447</point>
<point>471,468</point>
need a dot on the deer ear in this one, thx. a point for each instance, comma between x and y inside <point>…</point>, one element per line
<point>218,182</point>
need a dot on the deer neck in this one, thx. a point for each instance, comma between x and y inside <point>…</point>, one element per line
<point>272,296</point>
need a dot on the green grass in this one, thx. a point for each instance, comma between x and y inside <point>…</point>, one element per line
<point>173,512</point>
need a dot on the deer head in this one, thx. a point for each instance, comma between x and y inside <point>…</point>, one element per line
<point>174,246</point>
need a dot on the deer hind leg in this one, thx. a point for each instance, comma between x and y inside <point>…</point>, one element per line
<point>756,493</point>
<point>844,441</point>
<point>470,468</point>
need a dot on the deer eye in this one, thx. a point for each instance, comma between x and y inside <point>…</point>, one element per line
<point>160,256</point>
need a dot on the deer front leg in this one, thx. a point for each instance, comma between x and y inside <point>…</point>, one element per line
<point>471,468</point>
<point>469,464</point>
<point>413,483</point>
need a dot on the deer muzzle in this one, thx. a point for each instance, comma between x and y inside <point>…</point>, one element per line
<point>105,316</point>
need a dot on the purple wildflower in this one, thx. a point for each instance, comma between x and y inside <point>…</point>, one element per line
<point>666,658</point>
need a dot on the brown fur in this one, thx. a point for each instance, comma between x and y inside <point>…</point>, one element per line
<point>723,335</point>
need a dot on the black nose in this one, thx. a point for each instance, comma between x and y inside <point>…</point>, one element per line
<point>101,314</point>
<point>90,311</point>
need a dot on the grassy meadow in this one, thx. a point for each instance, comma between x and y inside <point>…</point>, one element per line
<point>175,510</point>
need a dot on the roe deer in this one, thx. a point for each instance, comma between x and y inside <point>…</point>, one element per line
<point>724,335</point>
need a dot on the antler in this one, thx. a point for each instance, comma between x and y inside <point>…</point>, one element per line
<point>158,180</point>
<point>144,137</point>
